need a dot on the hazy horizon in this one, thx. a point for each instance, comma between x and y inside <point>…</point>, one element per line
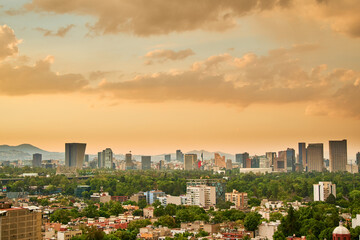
<point>153,77</point>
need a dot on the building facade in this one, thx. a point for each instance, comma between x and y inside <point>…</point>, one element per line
<point>20,224</point>
<point>74,155</point>
<point>179,156</point>
<point>302,155</point>
<point>323,190</point>
<point>315,157</point>
<point>240,199</point>
<point>338,155</point>
<point>201,195</point>
<point>241,158</point>
<point>37,158</point>
<point>190,162</point>
<point>145,162</point>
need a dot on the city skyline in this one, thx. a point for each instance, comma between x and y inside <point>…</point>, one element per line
<point>248,76</point>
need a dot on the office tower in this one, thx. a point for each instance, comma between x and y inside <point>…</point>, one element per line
<point>338,155</point>
<point>219,184</point>
<point>323,190</point>
<point>271,156</point>
<point>128,161</point>
<point>201,195</point>
<point>190,162</point>
<point>290,160</point>
<point>100,160</point>
<point>86,157</point>
<point>228,164</point>
<point>168,157</point>
<point>107,155</point>
<point>280,162</point>
<point>152,196</point>
<point>264,162</point>
<point>358,159</point>
<point>255,162</point>
<point>220,161</point>
<point>239,199</point>
<point>74,154</point>
<point>302,155</point>
<point>179,156</point>
<point>241,159</point>
<point>20,223</point>
<point>315,157</point>
<point>145,162</point>
<point>36,162</point>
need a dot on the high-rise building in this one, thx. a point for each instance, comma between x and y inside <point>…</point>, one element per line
<point>219,184</point>
<point>36,162</point>
<point>168,157</point>
<point>323,190</point>
<point>241,158</point>
<point>290,160</point>
<point>74,155</point>
<point>100,160</point>
<point>228,164</point>
<point>358,159</point>
<point>86,158</point>
<point>128,161</point>
<point>190,162</point>
<point>179,156</point>
<point>240,199</point>
<point>201,195</point>
<point>338,155</point>
<point>271,156</point>
<point>220,161</point>
<point>302,155</point>
<point>315,157</point>
<point>152,196</point>
<point>145,162</point>
<point>255,162</point>
<point>20,224</point>
<point>108,158</point>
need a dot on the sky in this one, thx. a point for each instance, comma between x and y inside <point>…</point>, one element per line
<point>155,76</point>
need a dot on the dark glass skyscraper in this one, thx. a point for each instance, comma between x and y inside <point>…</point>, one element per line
<point>241,158</point>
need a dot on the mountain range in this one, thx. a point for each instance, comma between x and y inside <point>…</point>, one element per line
<point>25,152</point>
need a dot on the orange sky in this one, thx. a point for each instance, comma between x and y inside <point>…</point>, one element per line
<point>155,76</point>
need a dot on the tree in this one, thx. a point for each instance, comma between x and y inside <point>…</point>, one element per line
<point>166,221</point>
<point>275,216</point>
<point>142,203</point>
<point>61,216</point>
<point>252,221</point>
<point>93,233</point>
<point>331,199</point>
<point>278,235</point>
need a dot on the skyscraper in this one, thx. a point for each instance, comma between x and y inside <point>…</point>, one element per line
<point>241,159</point>
<point>74,154</point>
<point>220,161</point>
<point>338,155</point>
<point>302,155</point>
<point>128,161</point>
<point>179,156</point>
<point>145,162</point>
<point>100,160</point>
<point>271,156</point>
<point>86,157</point>
<point>290,160</point>
<point>358,159</point>
<point>36,162</point>
<point>190,162</point>
<point>168,157</point>
<point>315,157</point>
<point>108,158</point>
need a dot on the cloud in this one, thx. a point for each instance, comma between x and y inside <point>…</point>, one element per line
<point>145,18</point>
<point>277,78</point>
<point>8,42</point>
<point>163,55</point>
<point>37,79</point>
<point>61,32</point>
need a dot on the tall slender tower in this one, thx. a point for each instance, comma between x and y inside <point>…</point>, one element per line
<point>74,155</point>
<point>302,155</point>
<point>315,157</point>
<point>338,155</point>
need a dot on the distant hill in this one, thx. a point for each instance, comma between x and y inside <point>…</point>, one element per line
<point>25,152</point>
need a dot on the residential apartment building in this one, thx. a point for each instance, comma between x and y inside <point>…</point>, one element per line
<point>202,195</point>
<point>240,199</point>
<point>323,190</point>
